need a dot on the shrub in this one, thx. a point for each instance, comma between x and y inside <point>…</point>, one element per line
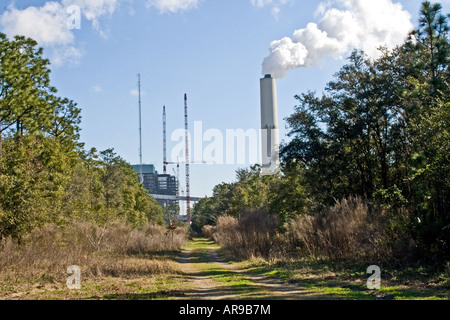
<point>208,231</point>
<point>350,230</point>
<point>253,235</point>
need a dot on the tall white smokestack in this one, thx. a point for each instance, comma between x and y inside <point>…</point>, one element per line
<point>269,126</point>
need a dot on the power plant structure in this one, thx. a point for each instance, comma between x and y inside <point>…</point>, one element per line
<point>165,188</point>
<point>270,145</point>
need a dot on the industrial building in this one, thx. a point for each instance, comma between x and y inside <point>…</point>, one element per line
<point>158,184</point>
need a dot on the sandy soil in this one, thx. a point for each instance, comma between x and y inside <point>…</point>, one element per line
<point>259,286</point>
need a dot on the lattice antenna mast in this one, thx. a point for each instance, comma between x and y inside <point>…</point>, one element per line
<point>141,175</point>
<point>178,181</point>
<point>188,187</point>
<point>164,141</point>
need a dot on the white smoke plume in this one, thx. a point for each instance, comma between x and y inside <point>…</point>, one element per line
<point>344,26</point>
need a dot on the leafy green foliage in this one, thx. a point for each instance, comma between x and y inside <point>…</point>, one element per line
<point>282,195</point>
<point>45,175</point>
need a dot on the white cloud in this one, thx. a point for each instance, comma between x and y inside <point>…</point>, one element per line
<point>97,89</point>
<point>172,6</point>
<point>69,54</point>
<point>135,93</point>
<point>47,25</point>
<point>361,24</point>
<point>261,3</point>
<point>92,10</point>
<point>274,4</point>
<point>265,3</point>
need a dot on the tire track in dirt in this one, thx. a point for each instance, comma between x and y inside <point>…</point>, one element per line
<point>201,275</point>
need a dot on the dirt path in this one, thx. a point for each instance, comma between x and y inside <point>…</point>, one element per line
<point>211,278</point>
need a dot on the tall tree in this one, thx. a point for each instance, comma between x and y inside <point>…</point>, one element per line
<point>430,48</point>
<point>25,88</point>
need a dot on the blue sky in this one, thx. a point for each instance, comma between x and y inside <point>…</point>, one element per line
<point>212,50</point>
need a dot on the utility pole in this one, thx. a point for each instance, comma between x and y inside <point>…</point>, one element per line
<point>164,141</point>
<point>188,187</point>
<point>141,175</point>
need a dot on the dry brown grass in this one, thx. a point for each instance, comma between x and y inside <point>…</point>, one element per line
<point>113,250</point>
<point>208,231</point>
<point>352,229</point>
<point>118,237</point>
<point>252,236</point>
<point>341,231</point>
<point>349,230</point>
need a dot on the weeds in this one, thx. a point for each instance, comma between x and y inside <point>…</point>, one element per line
<point>350,230</point>
<point>252,236</point>
<point>114,249</point>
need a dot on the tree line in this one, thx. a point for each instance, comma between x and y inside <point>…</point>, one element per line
<point>380,131</point>
<point>46,175</point>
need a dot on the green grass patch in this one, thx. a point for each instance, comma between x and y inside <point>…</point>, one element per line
<point>339,280</point>
<point>229,282</point>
